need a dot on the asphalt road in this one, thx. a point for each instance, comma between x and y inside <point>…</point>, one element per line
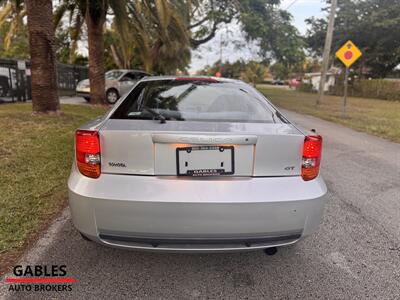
<point>355,254</point>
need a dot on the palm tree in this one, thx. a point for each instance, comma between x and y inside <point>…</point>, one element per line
<point>95,16</point>
<point>93,12</point>
<point>156,31</point>
<point>41,47</point>
<point>13,12</point>
<point>160,34</point>
<point>43,61</point>
<point>76,21</point>
<point>122,52</point>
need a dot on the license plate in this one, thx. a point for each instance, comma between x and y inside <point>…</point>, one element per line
<point>205,161</point>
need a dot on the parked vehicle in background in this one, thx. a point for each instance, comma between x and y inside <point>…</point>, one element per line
<point>278,82</point>
<point>118,82</point>
<point>294,83</point>
<point>5,88</point>
<point>195,164</point>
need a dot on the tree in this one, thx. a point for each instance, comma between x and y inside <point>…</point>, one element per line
<point>76,19</point>
<point>43,61</point>
<point>19,45</point>
<point>264,23</point>
<point>372,25</point>
<point>280,71</point>
<point>114,58</point>
<point>153,31</point>
<point>227,69</point>
<point>311,65</point>
<point>162,32</point>
<point>117,52</point>
<point>254,72</point>
<point>12,12</point>
<point>63,46</point>
<point>279,41</point>
<point>203,17</point>
<point>160,35</point>
<point>95,16</point>
<point>13,31</point>
<point>94,12</point>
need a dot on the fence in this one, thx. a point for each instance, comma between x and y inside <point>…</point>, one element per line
<point>15,79</point>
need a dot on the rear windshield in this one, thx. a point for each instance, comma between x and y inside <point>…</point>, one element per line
<point>184,100</point>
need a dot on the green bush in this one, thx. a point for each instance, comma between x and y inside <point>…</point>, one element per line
<point>374,88</point>
<point>378,88</point>
<point>305,87</point>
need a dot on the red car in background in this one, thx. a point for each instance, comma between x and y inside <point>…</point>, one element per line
<point>294,83</point>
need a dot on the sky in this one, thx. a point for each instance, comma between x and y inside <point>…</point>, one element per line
<point>210,52</point>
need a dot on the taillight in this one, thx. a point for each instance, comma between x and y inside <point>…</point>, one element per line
<point>311,157</point>
<point>87,145</point>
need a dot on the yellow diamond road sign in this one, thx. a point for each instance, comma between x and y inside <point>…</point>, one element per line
<point>348,54</point>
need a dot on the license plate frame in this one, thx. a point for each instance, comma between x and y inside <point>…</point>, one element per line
<point>206,171</point>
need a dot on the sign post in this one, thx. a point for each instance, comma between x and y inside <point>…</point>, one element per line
<point>346,86</point>
<point>348,55</point>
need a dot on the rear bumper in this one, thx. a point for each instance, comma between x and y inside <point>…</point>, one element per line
<point>185,214</point>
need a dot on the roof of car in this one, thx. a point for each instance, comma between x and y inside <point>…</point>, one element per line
<point>129,70</point>
<point>188,77</point>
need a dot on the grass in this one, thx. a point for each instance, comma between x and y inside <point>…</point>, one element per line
<point>35,159</point>
<point>373,116</point>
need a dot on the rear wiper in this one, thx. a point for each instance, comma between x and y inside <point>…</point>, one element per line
<point>186,92</point>
<point>155,114</point>
<point>273,117</point>
<point>281,117</point>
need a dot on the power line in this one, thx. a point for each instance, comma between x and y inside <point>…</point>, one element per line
<point>291,4</point>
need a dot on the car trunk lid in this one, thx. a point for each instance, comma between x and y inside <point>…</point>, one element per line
<point>146,147</point>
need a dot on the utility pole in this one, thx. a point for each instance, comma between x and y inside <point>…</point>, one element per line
<point>220,48</point>
<point>327,50</point>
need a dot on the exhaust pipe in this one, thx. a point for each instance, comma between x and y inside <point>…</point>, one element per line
<point>271,251</point>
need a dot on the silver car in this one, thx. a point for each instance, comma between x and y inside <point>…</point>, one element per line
<point>195,164</point>
<point>118,82</point>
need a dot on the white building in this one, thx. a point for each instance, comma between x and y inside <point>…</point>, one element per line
<point>315,78</point>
